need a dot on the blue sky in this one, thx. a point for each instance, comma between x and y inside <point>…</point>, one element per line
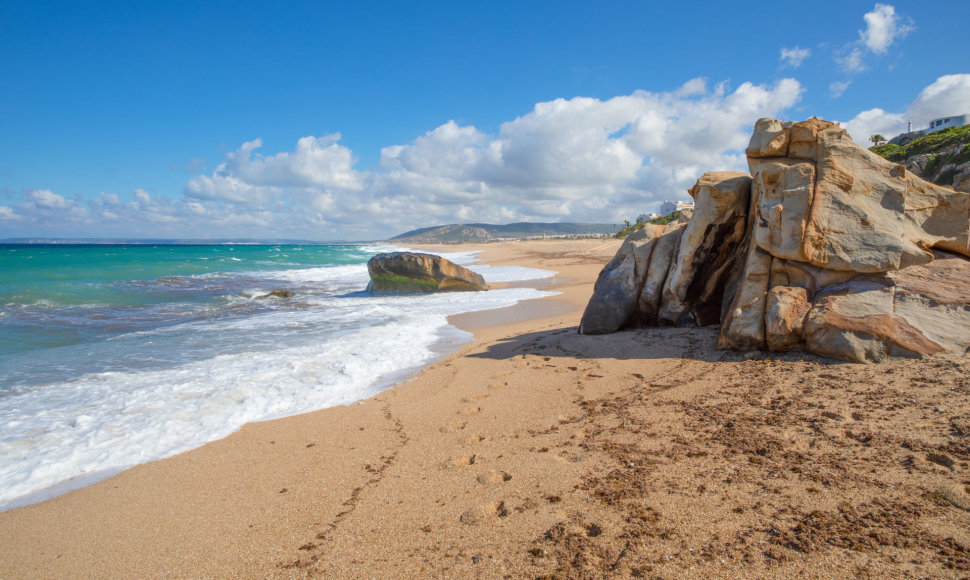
<point>328,121</point>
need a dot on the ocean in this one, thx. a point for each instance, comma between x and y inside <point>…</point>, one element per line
<point>115,355</point>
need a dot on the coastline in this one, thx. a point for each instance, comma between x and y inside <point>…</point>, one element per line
<point>533,450</point>
<point>110,511</point>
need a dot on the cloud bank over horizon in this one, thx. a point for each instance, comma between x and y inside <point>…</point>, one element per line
<point>580,159</point>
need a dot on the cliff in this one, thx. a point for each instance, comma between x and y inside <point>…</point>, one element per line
<point>942,157</point>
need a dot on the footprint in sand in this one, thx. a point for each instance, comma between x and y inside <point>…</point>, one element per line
<point>451,428</point>
<point>484,513</point>
<point>472,439</point>
<point>493,477</point>
<point>569,457</point>
<point>474,399</point>
<point>471,410</point>
<point>460,461</point>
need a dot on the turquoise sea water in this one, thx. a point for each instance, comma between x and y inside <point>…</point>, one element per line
<point>113,355</point>
<point>55,295</point>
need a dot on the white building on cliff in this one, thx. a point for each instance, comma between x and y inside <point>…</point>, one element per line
<point>669,207</point>
<point>947,122</point>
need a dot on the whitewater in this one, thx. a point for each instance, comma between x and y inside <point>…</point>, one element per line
<point>112,356</point>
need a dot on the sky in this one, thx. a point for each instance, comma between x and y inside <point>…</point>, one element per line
<point>361,120</point>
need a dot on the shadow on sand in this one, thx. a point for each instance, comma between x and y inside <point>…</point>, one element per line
<point>650,343</point>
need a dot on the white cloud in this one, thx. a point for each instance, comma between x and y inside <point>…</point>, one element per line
<point>851,59</point>
<point>794,57</point>
<point>43,206</point>
<point>248,177</point>
<point>883,27</point>
<point>47,199</point>
<point>316,162</point>
<point>583,158</point>
<point>7,213</point>
<point>579,159</point>
<point>948,95</point>
<point>221,186</point>
<point>108,199</point>
<point>873,121</point>
<point>838,88</point>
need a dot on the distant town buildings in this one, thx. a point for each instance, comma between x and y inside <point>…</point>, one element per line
<point>669,207</point>
<point>947,122</point>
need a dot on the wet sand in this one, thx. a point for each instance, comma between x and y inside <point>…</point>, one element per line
<point>537,452</point>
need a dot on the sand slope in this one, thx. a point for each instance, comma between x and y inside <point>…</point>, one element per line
<point>537,452</point>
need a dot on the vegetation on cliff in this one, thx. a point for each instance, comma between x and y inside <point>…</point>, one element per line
<point>935,156</point>
<point>660,221</point>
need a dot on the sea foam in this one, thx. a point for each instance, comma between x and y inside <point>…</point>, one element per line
<point>151,393</point>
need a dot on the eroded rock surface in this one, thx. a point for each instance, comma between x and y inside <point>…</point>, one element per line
<point>825,247</point>
<point>416,273</point>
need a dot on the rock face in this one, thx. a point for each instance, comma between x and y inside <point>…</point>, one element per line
<point>414,273</point>
<point>826,247</point>
<point>941,157</point>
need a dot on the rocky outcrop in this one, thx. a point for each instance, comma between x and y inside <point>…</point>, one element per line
<point>825,247</point>
<point>415,273</point>
<point>941,157</point>
<point>278,293</point>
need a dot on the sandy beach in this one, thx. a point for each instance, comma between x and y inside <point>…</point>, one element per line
<point>537,452</point>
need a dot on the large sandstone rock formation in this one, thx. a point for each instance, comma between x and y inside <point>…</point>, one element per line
<point>414,273</point>
<point>825,247</point>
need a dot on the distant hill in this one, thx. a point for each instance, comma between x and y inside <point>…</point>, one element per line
<point>461,233</point>
<point>942,157</point>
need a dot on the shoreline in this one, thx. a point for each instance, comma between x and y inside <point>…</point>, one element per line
<point>451,337</point>
<point>89,498</point>
<point>534,450</point>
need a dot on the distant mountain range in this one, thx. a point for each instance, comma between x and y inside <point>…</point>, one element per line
<point>460,233</point>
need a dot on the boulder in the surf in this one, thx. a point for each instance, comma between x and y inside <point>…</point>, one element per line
<point>278,293</point>
<point>416,273</point>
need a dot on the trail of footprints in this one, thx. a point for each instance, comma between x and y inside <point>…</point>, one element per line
<point>495,478</point>
<point>583,372</point>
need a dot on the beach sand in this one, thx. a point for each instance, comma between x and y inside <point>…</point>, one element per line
<point>536,452</point>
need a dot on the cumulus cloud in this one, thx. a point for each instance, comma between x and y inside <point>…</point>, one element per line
<point>850,59</point>
<point>579,159</point>
<point>46,199</point>
<point>582,158</point>
<point>883,28</point>
<point>948,95</point>
<point>319,162</point>
<point>838,88</point>
<point>794,57</point>
<point>44,208</point>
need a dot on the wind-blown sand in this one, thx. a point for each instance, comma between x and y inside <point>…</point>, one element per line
<point>537,452</point>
